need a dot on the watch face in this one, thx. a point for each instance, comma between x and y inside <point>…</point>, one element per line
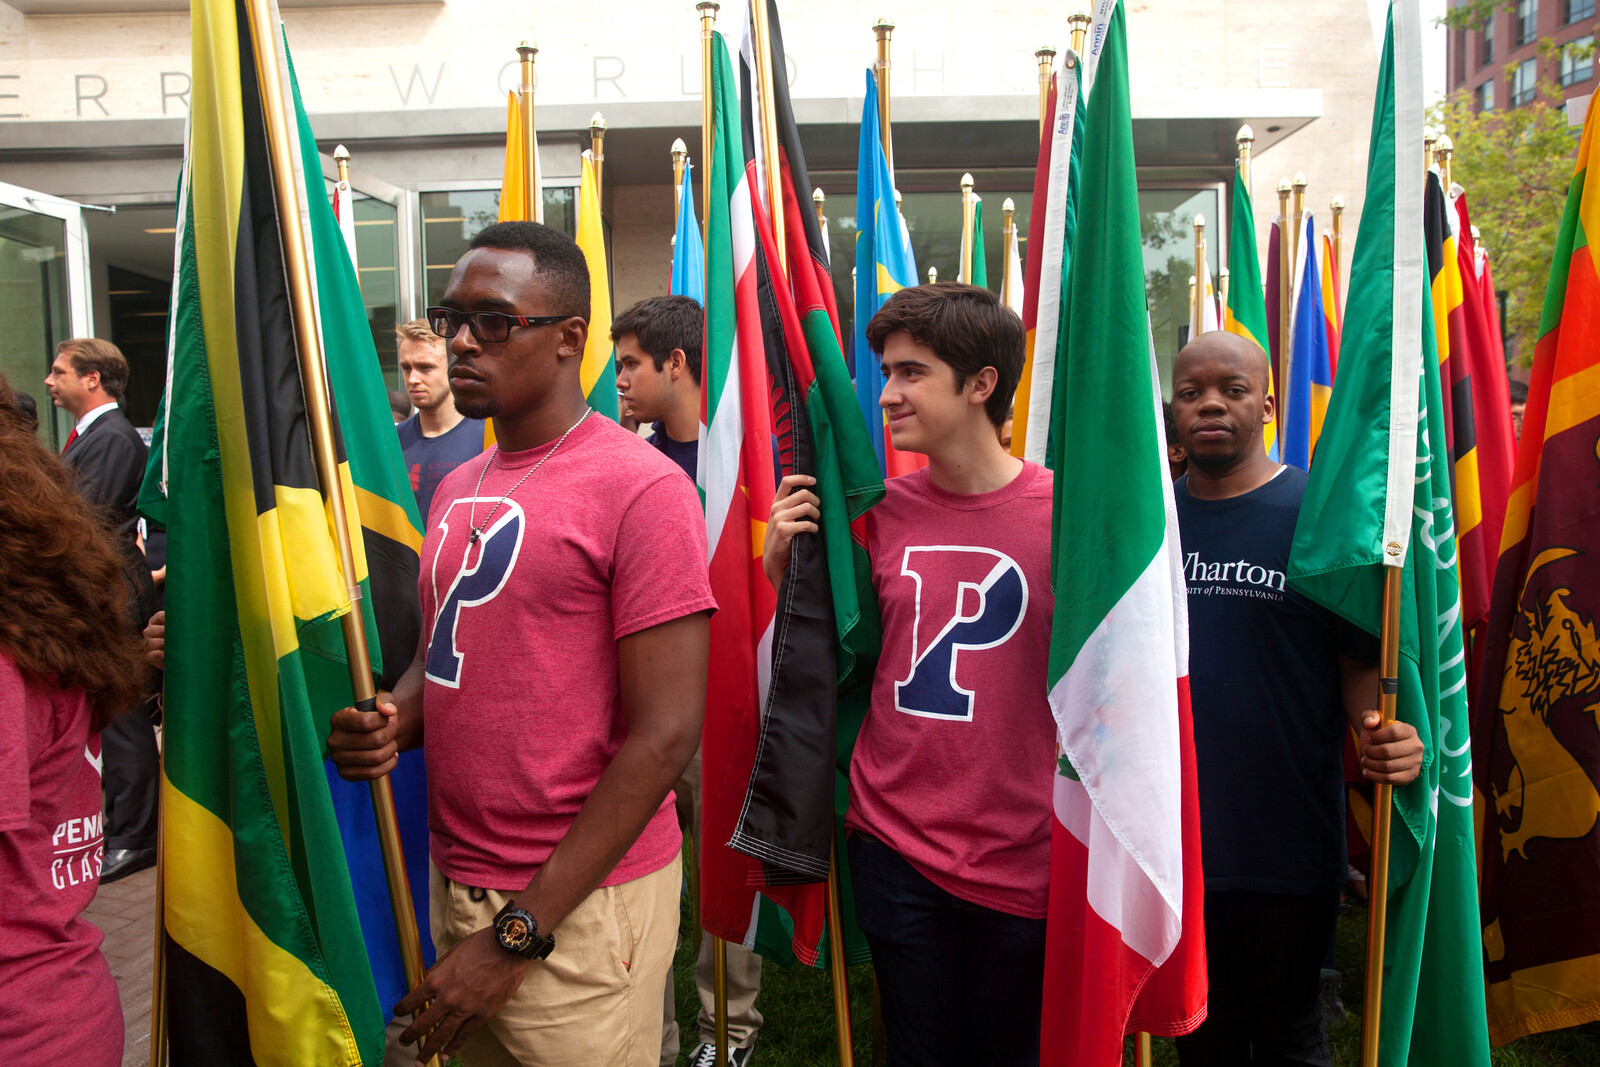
<point>515,933</point>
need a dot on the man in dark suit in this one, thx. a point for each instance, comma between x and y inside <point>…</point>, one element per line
<point>107,454</point>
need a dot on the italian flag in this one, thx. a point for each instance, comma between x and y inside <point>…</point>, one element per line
<point>1125,944</point>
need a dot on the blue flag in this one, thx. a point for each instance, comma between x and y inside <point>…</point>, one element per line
<point>1310,370</point>
<point>883,267</point>
<point>688,253</point>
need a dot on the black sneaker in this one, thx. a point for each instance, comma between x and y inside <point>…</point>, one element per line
<point>705,1055</point>
<point>1332,1007</point>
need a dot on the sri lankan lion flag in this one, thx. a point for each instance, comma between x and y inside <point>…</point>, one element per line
<point>1535,740</point>
<point>265,956</point>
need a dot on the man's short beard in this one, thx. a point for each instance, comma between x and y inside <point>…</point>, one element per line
<point>477,409</point>
<point>1214,465</point>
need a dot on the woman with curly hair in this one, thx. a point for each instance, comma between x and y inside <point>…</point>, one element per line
<point>67,662</point>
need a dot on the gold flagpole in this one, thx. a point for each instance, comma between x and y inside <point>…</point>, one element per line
<point>1382,802</point>
<point>933,275</point>
<point>836,965</point>
<point>769,127</point>
<point>1299,217</point>
<point>1222,287</point>
<point>1284,283</point>
<point>341,159</point>
<point>884,28</point>
<point>1245,139</point>
<point>819,201</point>
<point>532,196</point>
<point>1046,57</point>
<point>1198,320</point>
<point>1193,281</point>
<point>1008,242</point>
<point>597,149</point>
<point>1336,210</point>
<point>680,161</point>
<point>1142,1051</point>
<point>1430,140</point>
<point>964,268</point>
<point>1443,151</point>
<point>265,39</point>
<point>1079,22</point>
<point>708,20</point>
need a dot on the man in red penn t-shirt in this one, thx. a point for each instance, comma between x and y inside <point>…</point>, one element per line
<point>558,690</point>
<point>950,784</point>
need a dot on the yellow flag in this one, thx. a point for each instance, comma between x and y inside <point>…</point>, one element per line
<point>598,372</point>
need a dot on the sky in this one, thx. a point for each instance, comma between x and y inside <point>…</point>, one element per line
<point>1433,52</point>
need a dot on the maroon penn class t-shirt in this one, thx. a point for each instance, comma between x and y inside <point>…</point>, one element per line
<point>60,1004</point>
<point>521,708</point>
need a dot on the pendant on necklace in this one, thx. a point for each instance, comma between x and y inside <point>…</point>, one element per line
<point>476,534</point>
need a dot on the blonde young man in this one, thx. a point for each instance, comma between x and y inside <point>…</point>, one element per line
<point>438,438</point>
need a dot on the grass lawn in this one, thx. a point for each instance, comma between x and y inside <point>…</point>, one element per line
<point>799,1031</point>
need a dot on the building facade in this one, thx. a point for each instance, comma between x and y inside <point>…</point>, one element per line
<point>93,95</point>
<point>1520,44</point>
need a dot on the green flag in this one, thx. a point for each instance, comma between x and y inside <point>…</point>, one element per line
<point>266,960</point>
<point>1379,496</point>
<point>980,262</point>
<point>1246,313</point>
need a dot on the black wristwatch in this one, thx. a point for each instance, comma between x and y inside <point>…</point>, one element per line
<point>518,933</point>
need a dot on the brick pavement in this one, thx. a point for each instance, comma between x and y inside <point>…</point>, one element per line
<point>125,911</point>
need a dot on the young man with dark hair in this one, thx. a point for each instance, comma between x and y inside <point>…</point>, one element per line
<point>1518,392</point>
<point>438,438</point>
<point>659,342</point>
<point>950,783</point>
<point>557,692</point>
<point>1275,681</point>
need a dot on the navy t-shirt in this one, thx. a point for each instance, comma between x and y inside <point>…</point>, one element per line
<point>686,454</point>
<point>429,459</point>
<point>1264,684</point>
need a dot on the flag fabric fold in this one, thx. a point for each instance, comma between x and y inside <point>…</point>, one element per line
<point>1332,302</point>
<point>1125,946</point>
<point>1310,384</point>
<point>883,267</point>
<point>266,959</point>
<point>1379,497</point>
<point>1052,222</point>
<point>1246,313</point>
<point>598,372</point>
<point>688,250</point>
<point>1537,751</point>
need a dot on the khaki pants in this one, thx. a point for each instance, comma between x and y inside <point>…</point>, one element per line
<point>595,1000</point>
<point>744,966</point>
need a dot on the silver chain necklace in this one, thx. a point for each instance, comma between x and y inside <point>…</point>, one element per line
<point>477,531</point>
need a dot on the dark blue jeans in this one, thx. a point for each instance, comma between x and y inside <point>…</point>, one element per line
<point>960,984</point>
<point>1264,954</point>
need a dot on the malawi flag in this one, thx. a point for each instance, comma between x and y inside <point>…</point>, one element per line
<point>265,955</point>
<point>1379,497</point>
<point>826,632</point>
<point>1052,221</point>
<point>1537,750</point>
<point>1125,945</point>
<point>1246,313</point>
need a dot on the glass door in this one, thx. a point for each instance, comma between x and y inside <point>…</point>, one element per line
<point>44,293</point>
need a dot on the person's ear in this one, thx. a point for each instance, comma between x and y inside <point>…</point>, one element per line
<point>1269,408</point>
<point>678,361</point>
<point>574,335</point>
<point>982,385</point>
<point>90,380</point>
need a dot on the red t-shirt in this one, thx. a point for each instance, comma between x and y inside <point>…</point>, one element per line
<point>954,764</point>
<point>521,709</point>
<point>60,1004</point>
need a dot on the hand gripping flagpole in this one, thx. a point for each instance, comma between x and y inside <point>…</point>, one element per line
<point>1382,803</point>
<point>266,42</point>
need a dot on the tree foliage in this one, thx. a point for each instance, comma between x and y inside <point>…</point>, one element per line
<point>1515,165</point>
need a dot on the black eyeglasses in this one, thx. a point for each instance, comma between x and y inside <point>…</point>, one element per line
<point>487,327</point>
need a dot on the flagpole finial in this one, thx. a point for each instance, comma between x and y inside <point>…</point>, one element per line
<point>819,197</point>
<point>1336,205</point>
<point>933,275</point>
<point>1079,22</point>
<point>1044,53</point>
<point>1300,179</point>
<point>884,26</point>
<point>966,183</point>
<point>1245,135</point>
<point>597,125</point>
<point>680,151</point>
<point>341,153</point>
<point>1284,186</point>
<point>1008,205</point>
<point>527,50</point>
<point>1199,223</point>
<point>708,8</point>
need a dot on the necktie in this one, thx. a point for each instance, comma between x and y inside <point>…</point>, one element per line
<point>71,437</point>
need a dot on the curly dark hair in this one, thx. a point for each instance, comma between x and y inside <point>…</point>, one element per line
<point>66,619</point>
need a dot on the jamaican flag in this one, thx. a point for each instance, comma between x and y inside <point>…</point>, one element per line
<point>266,962</point>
